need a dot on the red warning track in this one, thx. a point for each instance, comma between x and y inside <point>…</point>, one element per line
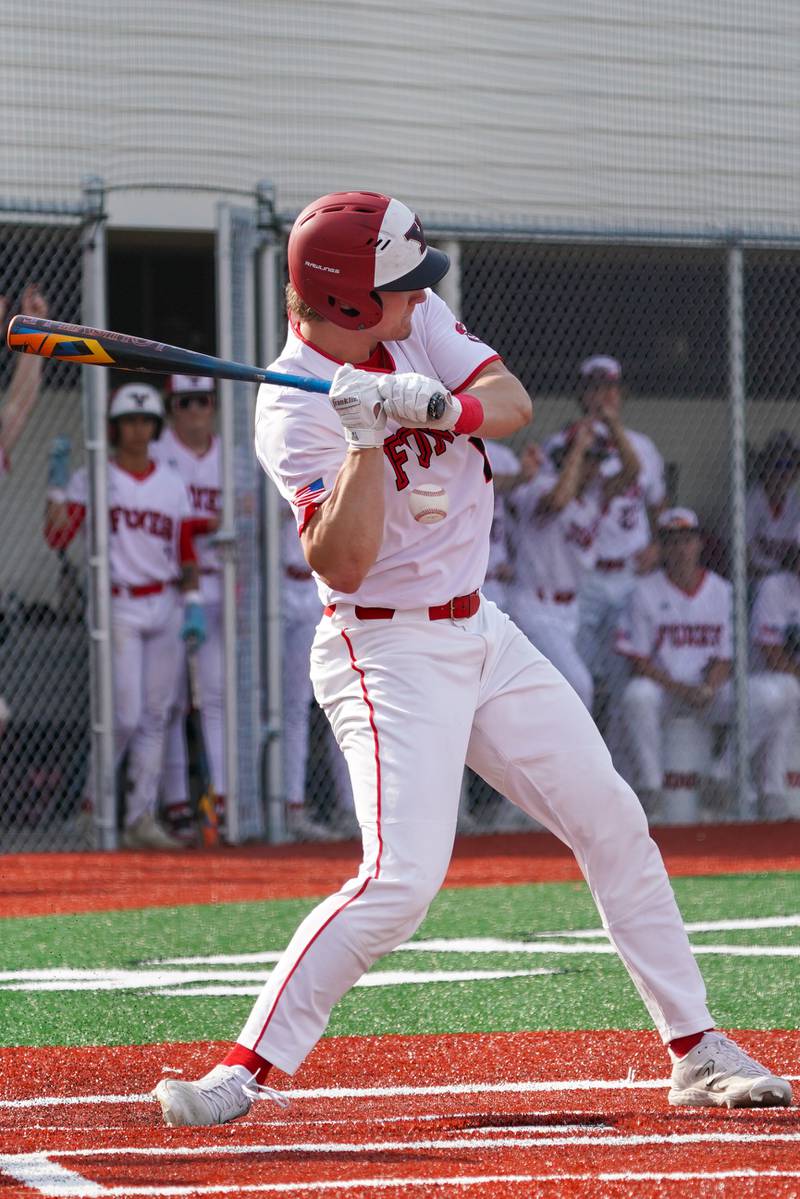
<point>521,1114</point>
<point>44,884</point>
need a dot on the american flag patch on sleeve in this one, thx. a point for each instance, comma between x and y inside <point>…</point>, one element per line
<point>310,494</point>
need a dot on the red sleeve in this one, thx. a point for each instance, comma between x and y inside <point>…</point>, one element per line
<point>58,538</point>
<point>191,527</point>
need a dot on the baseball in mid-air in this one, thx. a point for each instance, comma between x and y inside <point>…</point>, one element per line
<point>428,503</point>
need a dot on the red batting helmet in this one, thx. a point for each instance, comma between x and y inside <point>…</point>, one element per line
<point>346,247</point>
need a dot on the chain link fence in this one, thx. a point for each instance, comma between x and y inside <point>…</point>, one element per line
<point>709,363</point>
<point>44,675</point>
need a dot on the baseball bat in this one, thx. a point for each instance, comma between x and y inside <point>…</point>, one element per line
<point>206,808</point>
<point>102,347</point>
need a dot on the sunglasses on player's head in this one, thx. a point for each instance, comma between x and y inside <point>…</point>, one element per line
<point>201,398</point>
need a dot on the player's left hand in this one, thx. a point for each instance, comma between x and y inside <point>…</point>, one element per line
<point>407,396</point>
<point>194,628</point>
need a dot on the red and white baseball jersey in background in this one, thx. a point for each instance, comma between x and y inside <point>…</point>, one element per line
<point>145,518</point>
<point>503,462</point>
<point>625,527</point>
<point>680,632</point>
<point>770,529</point>
<point>776,609</point>
<point>202,475</point>
<point>553,550</point>
<point>300,443</point>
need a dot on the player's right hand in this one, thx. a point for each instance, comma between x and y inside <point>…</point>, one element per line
<point>58,463</point>
<point>356,401</point>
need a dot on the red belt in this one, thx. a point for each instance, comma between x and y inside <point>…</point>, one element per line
<point>458,608</point>
<point>556,597</point>
<point>137,591</point>
<point>606,565</point>
<point>297,572</point>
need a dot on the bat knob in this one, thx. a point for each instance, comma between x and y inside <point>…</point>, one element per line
<point>436,406</point>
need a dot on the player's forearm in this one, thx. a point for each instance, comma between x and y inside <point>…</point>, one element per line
<point>506,404</point>
<point>629,460</point>
<point>568,482</point>
<point>342,540</point>
<point>22,395</point>
<point>777,659</point>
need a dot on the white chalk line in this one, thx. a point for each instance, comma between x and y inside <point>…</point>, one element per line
<point>84,1187</point>
<point>489,1088</point>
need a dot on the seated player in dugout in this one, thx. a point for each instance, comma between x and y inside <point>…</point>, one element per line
<point>417,672</point>
<point>677,634</point>
<point>192,447</point>
<point>772,509</point>
<point>155,599</point>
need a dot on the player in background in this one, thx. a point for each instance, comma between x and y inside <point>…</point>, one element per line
<point>677,636</point>
<point>24,389</point>
<point>775,626</point>
<point>625,547</point>
<point>773,507</point>
<point>558,509</point>
<point>301,612</point>
<point>154,590</point>
<point>190,445</point>
<point>417,672</point>
<point>506,468</point>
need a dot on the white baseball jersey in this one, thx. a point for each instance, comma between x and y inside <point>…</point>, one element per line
<point>680,632</point>
<point>553,551</point>
<point>777,606</point>
<point>625,527</point>
<point>300,443</point>
<point>202,474</point>
<point>503,461</point>
<point>770,531</point>
<point>145,517</point>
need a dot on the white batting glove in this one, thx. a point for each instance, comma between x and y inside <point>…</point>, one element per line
<point>407,398</point>
<point>356,401</point>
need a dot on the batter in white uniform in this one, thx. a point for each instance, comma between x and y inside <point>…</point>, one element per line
<point>677,636</point>
<point>416,672</point>
<point>152,561</point>
<point>190,445</point>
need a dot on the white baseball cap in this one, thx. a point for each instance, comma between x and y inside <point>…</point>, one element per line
<point>678,519</point>
<point>601,364</point>
<point>183,384</point>
<point>134,398</point>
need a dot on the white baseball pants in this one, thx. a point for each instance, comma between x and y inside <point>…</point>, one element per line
<point>146,656</point>
<point>211,681</point>
<point>774,701</point>
<point>410,700</point>
<point>553,629</point>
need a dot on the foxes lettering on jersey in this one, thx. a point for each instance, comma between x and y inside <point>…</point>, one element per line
<point>300,443</point>
<point>680,632</point>
<point>202,475</point>
<point>145,516</point>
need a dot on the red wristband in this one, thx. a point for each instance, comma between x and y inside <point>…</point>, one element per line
<point>471,417</point>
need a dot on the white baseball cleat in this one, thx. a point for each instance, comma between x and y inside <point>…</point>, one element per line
<point>224,1094</point>
<point>717,1073</point>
